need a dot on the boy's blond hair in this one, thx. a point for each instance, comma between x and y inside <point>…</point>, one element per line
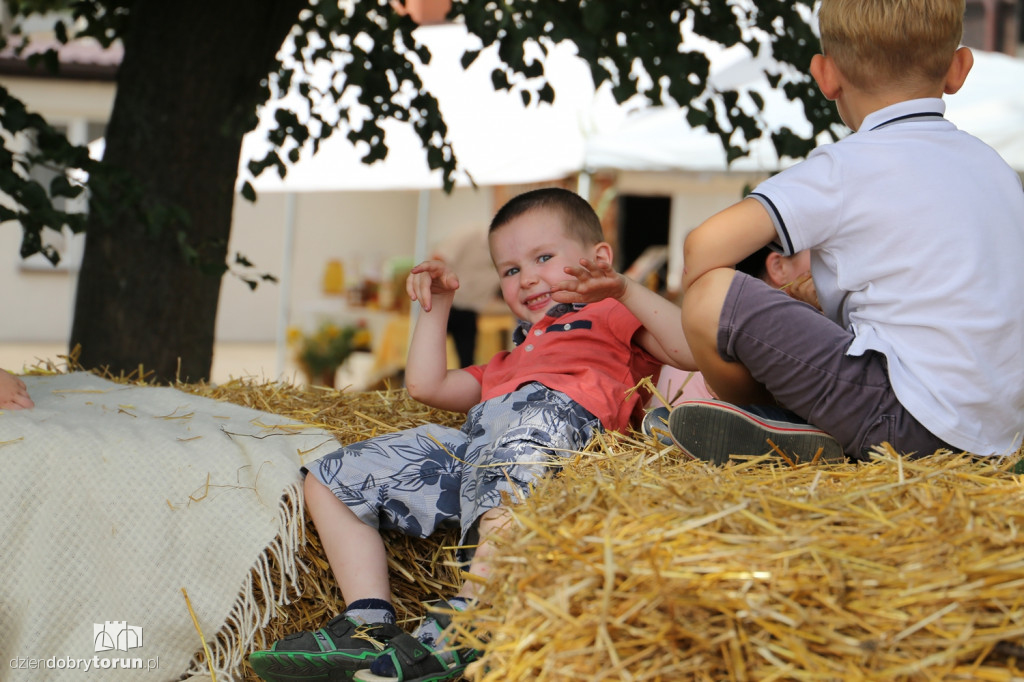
<point>881,43</point>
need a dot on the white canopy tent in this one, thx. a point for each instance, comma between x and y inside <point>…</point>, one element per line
<point>660,139</point>
<point>989,106</point>
<point>496,138</point>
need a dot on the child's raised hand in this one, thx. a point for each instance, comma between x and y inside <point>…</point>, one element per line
<point>591,281</point>
<point>428,279</point>
<point>13,393</point>
<point>802,289</point>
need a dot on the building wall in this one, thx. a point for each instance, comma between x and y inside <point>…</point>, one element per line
<point>360,229</point>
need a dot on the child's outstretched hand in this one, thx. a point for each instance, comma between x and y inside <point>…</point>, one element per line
<point>591,281</point>
<point>802,289</point>
<point>428,279</point>
<point>13,393</point>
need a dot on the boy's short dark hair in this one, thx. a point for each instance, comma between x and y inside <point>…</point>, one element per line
<point>877,43</point>
<point>578,217</point>
<point>756,264</point>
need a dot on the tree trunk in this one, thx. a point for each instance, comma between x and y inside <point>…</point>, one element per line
<point>149,283</point>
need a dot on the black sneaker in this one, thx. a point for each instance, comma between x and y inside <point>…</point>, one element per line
<point>333,653</point>
<point>713,431</point>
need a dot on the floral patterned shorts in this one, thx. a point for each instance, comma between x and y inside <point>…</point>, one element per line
<point>430,476</point>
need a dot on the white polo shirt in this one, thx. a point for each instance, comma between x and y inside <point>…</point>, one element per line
<point>916,232</point>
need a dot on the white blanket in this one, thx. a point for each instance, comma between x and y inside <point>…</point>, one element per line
<point>113,499</point>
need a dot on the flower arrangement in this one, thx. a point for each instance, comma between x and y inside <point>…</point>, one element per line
<point>321,353</point>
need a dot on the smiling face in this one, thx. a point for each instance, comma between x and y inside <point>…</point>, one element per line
<point>531,252</point>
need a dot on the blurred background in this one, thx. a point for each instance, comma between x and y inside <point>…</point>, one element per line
<point>339,236</point>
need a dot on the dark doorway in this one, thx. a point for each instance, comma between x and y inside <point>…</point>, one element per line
<point>643,222</point>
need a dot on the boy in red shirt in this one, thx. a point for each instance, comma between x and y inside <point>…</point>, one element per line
<point>569,377</point>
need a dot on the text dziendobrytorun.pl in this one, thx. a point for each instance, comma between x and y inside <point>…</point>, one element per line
<point>84,664</point>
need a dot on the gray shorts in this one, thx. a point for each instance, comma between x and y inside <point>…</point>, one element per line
<point>432,476</point>
<point>799,355</point>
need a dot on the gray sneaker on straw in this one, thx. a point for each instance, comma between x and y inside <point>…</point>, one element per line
<point>713,431</point>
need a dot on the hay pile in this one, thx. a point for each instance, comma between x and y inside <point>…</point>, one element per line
<point>635,564</point>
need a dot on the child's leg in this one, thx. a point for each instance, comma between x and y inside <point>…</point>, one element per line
<point>352,640</point>
<point>492,522</point>
<point>401,481</point>
<point>518,439</point>
<point>354,550</point>
<point>447,663</point>
<point>430,631</point>
<point>801,359</point>
<point>702,309</point>
<point>523,437</point>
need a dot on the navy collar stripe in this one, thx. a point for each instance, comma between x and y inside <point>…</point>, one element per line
<point>557,310</point>
<point>922,114</point>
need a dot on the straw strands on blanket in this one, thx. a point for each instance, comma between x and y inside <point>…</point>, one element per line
<point>636,564</point>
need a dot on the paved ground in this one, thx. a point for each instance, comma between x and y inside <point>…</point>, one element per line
<point>229,359</point>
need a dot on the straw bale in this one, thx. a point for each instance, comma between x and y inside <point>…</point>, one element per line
<point>637,564</point>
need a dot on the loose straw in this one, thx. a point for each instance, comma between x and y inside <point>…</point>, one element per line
<point>195,622</point>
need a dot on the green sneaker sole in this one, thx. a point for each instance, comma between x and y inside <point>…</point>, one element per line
<point>288,666</point>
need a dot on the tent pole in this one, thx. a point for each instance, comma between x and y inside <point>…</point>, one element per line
<point>422,226</point>
<point>420,253</point>
<point>583,184</point>
<point>284,302</point>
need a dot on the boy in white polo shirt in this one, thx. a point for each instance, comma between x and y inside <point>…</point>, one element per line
<point>916,234</point>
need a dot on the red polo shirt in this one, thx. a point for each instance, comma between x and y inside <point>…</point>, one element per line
<point>588,354</point>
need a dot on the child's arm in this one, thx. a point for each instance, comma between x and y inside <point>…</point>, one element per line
<point>662,332</point>
<point>725,239</point>
<point>427,377</point>
<point>13,393</point>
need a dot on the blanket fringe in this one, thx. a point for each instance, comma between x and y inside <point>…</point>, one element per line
<point>260,595</point>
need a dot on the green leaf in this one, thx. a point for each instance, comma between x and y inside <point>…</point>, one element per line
<point>547,93</point>
<point>248,192</point>
<point>468,57</point>
<point>499,80</point>
<point>60,186</point>
<point>696,117</point>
